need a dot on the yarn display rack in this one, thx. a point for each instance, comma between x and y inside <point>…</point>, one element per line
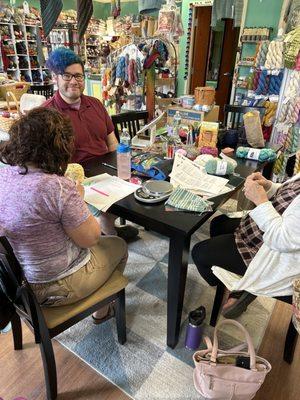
<point>121,71</point>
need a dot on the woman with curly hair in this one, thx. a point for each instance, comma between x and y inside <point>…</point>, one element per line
<point>44,217</point>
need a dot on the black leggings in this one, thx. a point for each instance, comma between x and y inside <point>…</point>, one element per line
<point>220,250</point>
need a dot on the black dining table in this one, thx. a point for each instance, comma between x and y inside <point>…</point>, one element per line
<point>178,227</point>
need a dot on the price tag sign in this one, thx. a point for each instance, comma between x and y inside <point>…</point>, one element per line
<point>221,168</point>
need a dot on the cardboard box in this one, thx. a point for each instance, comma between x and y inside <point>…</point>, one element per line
<point>192,116</point>
<point>188,117</point>
<point>212,115</point>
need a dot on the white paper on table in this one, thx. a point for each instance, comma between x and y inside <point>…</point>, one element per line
<point>190,176</point>
<point>101,191</point>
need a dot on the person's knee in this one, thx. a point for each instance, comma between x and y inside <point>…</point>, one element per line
<point>216,224</point>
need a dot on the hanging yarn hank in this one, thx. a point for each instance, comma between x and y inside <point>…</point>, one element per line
<point>113,74</point>
<point>275,83</point>
<point>132,73</point>
<point>297,163</point>
<point>292,138</point>
<point>274,59</point>
<point>264,154</point>
<point>289,111</point>
<point>126,67</point>
<point>292,48</point>
<point>270,113</point>
<point>263,83</point>
<point>120,68</point>
<point>256,79</point>
<point>262,53</point>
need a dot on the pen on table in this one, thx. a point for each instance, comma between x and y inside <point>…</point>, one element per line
<point>109,165</point>
<point>100,192</point>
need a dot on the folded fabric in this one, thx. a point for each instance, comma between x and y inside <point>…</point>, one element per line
<point>151,165</point>
<point>185,200</point>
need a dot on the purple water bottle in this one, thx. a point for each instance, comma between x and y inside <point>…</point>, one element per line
<point>194,329</point>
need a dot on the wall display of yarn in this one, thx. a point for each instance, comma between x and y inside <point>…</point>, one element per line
<point>129,81</point>
<point>286,130</point>
<point>265,81</point>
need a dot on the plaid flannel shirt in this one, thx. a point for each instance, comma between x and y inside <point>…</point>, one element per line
<point>248,236</point>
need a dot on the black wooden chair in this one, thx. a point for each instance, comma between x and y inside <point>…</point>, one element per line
<point>235,113</point>
<point>46,90</point>
<point>130,120</point>
<point>291,336</point>
<point>48,322</point>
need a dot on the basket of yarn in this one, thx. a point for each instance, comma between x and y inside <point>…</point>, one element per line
<point>260,155</point>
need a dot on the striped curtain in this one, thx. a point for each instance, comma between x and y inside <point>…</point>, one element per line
<point>84,13</point>
<point>50,10</point>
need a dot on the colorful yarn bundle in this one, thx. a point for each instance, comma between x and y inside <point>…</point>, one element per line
<point>209,150</point>
<point>274,59</point>
<point>297,163</point>
<point>262,53</point>
<point>120,68</point>
<point>292,139</point>
<point>289,112</point>
<point>219,167</point>
<point>292,48</point>
<point>270,113</point>
<point>139,70</point>
<point>256,79</point>
<point>132,73</point>
<point>275,83</point>
<point>126,67</point>
<point>297,66</point>
<point>280,164</point>
<point>113,75</point>
<point>264,154</point>
<point>263,83</point>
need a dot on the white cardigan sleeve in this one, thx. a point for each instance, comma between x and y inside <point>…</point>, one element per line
<point>281,232</point>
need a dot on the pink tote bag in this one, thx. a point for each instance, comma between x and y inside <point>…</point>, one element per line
<point>216,375</point>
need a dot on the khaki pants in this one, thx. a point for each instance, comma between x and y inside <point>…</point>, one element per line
<point>109,254</point>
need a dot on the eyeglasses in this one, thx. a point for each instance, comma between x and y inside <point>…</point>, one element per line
<point>68,77</point>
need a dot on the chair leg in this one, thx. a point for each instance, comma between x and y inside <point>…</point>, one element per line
<point>49,365</point>
<point>121,317</point>
<point>217,304</point>
<point>290,343</point>
<point>17,332</point>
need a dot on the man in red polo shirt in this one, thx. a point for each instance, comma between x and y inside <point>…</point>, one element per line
<point>93,128</point>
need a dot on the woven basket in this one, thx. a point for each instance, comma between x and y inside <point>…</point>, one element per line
<point>17,88</point>
<point>6,123</point>
<point>205,95</point>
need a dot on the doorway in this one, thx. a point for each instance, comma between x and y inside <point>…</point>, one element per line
<point>213,55</point>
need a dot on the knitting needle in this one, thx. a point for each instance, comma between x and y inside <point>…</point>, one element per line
<point>109,166</point>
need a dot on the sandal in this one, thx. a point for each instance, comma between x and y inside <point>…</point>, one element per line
<point>110,314</point>
<point>236,309</point>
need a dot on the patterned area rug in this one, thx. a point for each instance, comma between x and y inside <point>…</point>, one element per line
<point>145,368</point>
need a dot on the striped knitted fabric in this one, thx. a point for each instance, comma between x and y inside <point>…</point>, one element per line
<point>84,13</point>
<point>50,10</point>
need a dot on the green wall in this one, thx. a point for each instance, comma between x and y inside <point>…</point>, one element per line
<point>101,10</point>
<point>259,13</point>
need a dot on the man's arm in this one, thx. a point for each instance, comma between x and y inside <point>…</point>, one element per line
<point>112,141</point>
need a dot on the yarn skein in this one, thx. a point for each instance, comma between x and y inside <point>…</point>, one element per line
<point>219,167</point>
<point>264,154</point>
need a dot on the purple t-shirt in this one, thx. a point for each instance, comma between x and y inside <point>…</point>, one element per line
<point>34,210</point>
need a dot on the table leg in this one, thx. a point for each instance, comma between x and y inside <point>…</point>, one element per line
<point>179,248</point>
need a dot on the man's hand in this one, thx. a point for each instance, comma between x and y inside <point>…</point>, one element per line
<point>255,192</point>
<point>80,188</point>
<point>261,180</point>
